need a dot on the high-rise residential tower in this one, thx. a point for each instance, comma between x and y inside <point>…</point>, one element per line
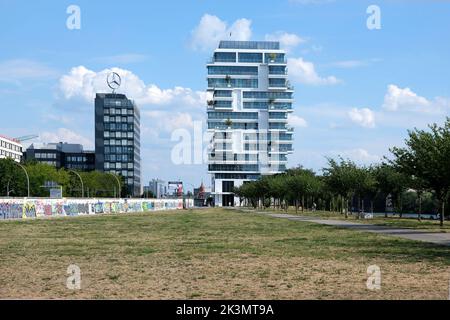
<point>117,139</point>
<point>248,105</point>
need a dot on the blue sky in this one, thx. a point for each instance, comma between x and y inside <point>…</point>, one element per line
<point>357,90</point>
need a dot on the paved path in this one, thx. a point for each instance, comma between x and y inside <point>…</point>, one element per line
<point>411,234</point>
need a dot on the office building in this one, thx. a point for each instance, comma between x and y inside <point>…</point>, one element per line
<point>248,105</point>
<point>62,155</point>
<point>158,188</point>
<point>117,139</point>
<point>10,148</point>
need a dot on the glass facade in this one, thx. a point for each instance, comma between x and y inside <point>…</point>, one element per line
<point>117,139</point>
<point>247,115</point>
<point>62,155</point>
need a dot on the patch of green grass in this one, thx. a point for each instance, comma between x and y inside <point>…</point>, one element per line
<point>143,244</point>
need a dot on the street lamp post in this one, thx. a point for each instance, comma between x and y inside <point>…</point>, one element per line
<point>82,184</point>
<point>28,178</point>
<point>118,182</point>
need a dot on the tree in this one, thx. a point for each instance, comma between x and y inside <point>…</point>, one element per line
<point>12,179</point>
<point>390,181</point>
<point>301,183</point>
<point>41,173</point>
<point>342,178</point>
<point>366,186</point>
<point>427,157</point>
<point>278,189</point>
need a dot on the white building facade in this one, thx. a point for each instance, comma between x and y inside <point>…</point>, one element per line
<point>249,99</point>
<point>10,148</point>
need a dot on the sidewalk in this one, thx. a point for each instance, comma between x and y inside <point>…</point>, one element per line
<point>411,234</point>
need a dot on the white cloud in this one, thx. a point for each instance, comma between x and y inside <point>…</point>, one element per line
<point>404,99</point>
<point>304,72</point>
<point>288,41</point>
<point>363,117</point>
<point>297,121</point>
<point>211,30</point>
<point>23,69</point>
<point>65,135</point>
<point>84,83</point>
<point>397,98</point>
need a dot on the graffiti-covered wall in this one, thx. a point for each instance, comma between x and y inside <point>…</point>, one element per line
<point>32,208</point>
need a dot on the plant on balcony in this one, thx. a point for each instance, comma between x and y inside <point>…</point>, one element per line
<point>228,80</point>
<point>228,123</point>
<point>271,102</point>
<point>288,85</point>
<point>211,103</point>
<point>272,56</point>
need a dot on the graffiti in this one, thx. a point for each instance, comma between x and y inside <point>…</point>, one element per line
<point>32,208</point>
<point>11,210</point>
<point>29,210</point>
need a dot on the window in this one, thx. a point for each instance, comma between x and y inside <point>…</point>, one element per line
<point>277,70</point>
<point>235,70</point>
<point>274,58</point>
<point>225,57</point>
<point>227,186</point>
<point>266,95</point>
<point>232,83</point>
<point>250,57</point>
<point>277,82</point>
<point>223,93</point>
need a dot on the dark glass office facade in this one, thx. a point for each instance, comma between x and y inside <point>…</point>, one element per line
<point>62,155</point>
<point>117,139</point>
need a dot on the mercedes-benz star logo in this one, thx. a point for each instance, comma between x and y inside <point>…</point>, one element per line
<point>113,80</point>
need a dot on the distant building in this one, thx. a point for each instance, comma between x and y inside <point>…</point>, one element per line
<point>10,148</point>
<point>158,188</point>
<point>201,195</point>
<point>62,155</point>
<point>117,139</point>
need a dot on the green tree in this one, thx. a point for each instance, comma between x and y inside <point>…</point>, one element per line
<point>342,178</point>
<point>426,156</point>
<point>12,179</point>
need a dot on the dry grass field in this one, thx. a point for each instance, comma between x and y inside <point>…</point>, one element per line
<point>212,254</point>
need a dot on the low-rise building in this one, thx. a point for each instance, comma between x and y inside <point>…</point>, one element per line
<point>10,148</point>
<point>62,155</point>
